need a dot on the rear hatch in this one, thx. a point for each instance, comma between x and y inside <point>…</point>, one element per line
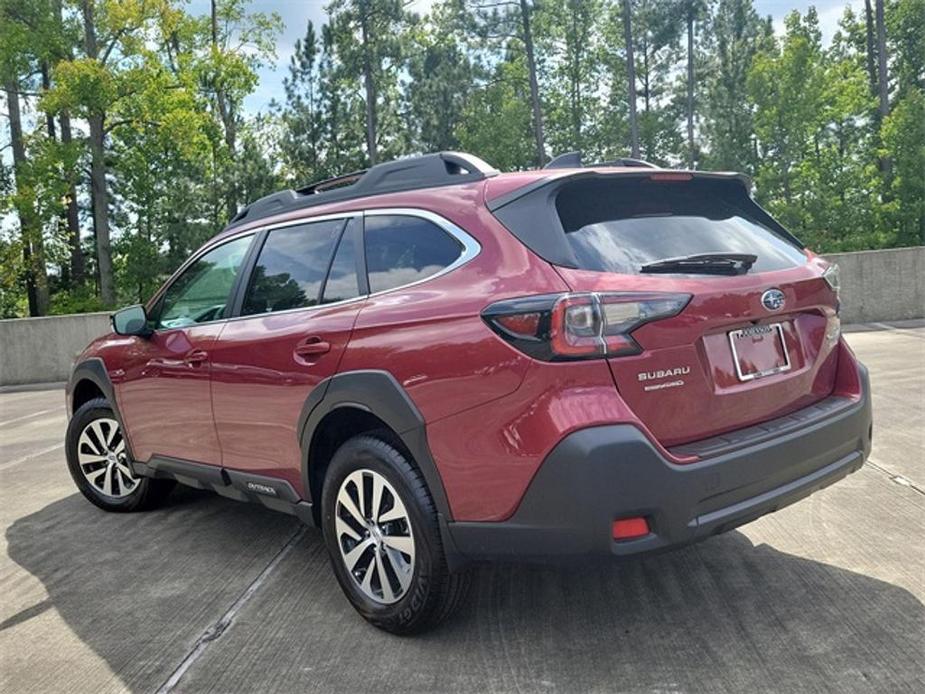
<point>756,338</point>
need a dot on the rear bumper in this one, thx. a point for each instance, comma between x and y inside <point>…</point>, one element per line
<point>597,475</point>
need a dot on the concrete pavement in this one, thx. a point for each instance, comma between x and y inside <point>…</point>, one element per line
<point>208,594</point>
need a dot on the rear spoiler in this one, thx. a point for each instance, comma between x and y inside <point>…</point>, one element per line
<point>575,174</point>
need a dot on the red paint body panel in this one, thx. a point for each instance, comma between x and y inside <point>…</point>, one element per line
<point>165,402</point>
<point>431,336</point>
<point>712,399</point>
<point>259,384</point>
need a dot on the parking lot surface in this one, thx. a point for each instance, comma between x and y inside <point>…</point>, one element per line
<point>210,595</point>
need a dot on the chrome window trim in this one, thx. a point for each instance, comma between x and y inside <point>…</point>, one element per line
<point>255,231</point>
<point>297,222</point>
<point>267,314</point>
<point>470,249</point>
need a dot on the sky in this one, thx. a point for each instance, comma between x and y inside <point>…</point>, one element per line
<point>296,14</point>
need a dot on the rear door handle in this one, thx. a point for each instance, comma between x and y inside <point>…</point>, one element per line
<point>196,358</point>
<point>312,347</point>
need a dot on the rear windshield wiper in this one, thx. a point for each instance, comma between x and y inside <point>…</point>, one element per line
<point>704,263</point>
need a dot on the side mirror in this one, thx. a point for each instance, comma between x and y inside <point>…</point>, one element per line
<point>131,321</point>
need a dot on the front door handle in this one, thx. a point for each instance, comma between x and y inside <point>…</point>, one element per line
<point>196,358</point>
<point>312,347</point>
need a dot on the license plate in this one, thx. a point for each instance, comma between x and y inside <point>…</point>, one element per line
<point>759,350</point>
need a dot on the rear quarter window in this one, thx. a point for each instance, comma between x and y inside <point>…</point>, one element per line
<point>619,225</point>
<point>402,249</point>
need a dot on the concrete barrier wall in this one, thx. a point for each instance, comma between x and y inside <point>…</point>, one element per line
<point>882,285</point>
<point>41,350</point>
<point>876,286</point>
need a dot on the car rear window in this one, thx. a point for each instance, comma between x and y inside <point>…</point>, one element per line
<point>619,225</point>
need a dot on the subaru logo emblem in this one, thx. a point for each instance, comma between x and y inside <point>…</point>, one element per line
<point>773,300</point>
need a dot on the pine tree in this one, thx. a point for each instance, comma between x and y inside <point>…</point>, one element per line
<point>728,132</point>
<point>569,30</point>
<point>369,43</point>
<point>442,77</point>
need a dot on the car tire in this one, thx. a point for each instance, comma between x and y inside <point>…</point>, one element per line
<point>400,539</point>
<point>98,461</point>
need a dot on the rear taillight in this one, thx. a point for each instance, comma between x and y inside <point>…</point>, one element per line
<point>586,325</point>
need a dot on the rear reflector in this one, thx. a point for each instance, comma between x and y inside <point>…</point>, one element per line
<point>521,325</point>
<point>630,528</point>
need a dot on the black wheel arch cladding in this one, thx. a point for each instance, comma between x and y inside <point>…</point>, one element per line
<point>380,394</point>
<point>94,370</point>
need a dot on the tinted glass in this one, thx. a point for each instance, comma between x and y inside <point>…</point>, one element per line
<point>401,250</point>
<point>291,267</point>
<point>620,226</point>
<point>201,293</point>
<point>342,283</point>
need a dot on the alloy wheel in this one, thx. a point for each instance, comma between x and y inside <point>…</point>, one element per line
<point>374,535</point>
<point>102,459</point>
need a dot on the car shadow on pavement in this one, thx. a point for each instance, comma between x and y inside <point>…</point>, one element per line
<point>724,615</point>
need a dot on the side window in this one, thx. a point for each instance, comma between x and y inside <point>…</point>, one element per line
<point>291,267</point>
<point>201,293</point>
<point>401,250</point>
<point>342,282</point>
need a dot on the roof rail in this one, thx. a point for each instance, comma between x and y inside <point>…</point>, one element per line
<point>424,171</point>
<point>569,160</point>
<point>572,160</point>
<point>333,182</point>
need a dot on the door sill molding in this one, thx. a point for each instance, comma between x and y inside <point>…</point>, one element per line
<point>274,493</point>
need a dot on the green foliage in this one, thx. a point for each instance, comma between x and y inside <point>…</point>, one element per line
<point>181,153</point>
<point>441,76</point>
<point>496,119</point>
<point>905,24</point>
<point>657,26</point>
<point>12,297</point>
<point>737,34</point>
<point>254,169</point>
<point>811,117</point>
<point>904,140</point>
<point>573,48</point>
<point>321,122</point>
<point>82,299</point>
<point>369,37</point>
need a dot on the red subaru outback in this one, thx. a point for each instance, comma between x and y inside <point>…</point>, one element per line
<point>438,363</point>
